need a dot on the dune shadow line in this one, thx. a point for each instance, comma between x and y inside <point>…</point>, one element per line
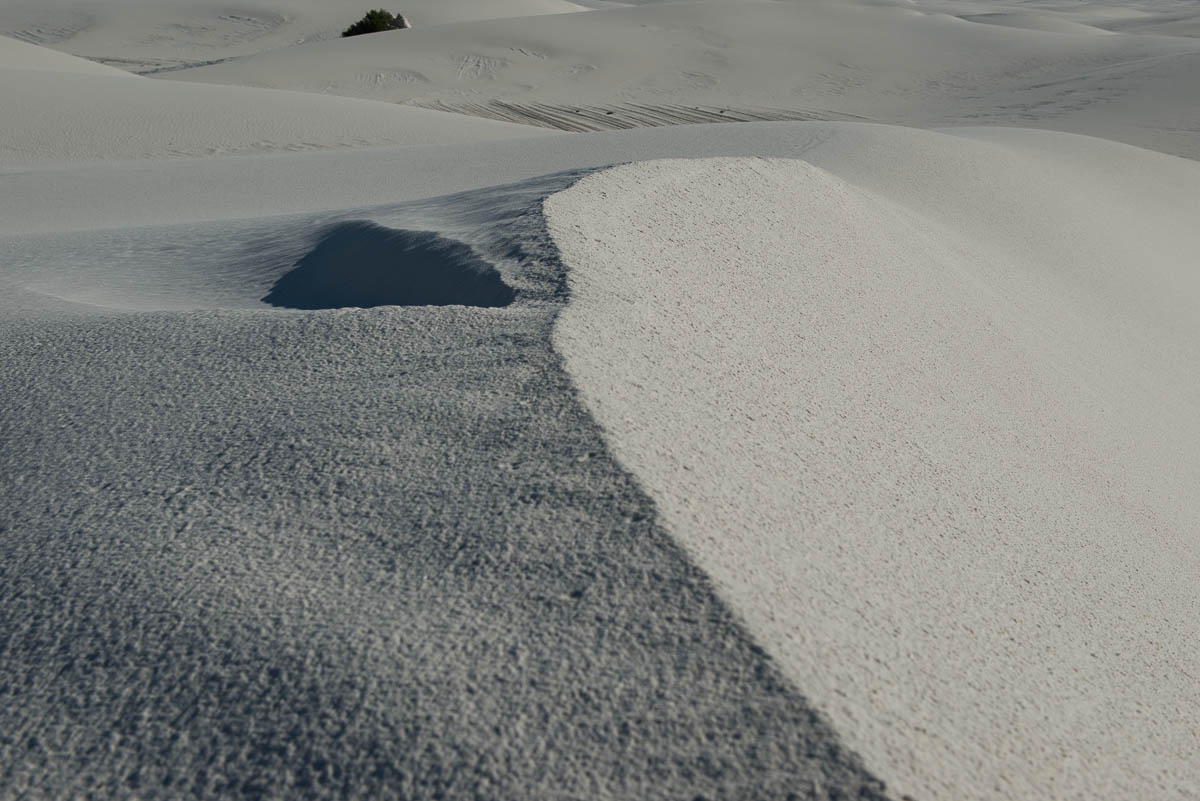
<point>363,264</point>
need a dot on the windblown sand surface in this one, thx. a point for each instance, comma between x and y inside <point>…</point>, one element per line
<point>937,461</point>
<point>363,434</point>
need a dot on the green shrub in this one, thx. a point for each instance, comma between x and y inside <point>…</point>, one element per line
<point>375,22</point>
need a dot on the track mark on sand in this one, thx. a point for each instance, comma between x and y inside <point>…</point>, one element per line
<point>582,118</point>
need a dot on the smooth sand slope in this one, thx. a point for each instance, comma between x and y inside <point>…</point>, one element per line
<point>158,35</point>
<point>906,63</point>
<point>60,108</point>
<point>17,55</point>
<point>935,443</point>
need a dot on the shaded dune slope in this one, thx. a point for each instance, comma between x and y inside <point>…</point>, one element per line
<point>58,108</point>
<point>375,553</point>
<point>915,418</point>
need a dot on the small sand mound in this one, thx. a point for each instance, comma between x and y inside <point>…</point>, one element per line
<point>362,264</point>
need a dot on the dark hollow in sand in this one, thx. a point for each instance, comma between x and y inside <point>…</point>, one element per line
<point>363,264</point>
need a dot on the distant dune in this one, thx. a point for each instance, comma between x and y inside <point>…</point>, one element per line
<point>146,36</point>
<point>885,62</point>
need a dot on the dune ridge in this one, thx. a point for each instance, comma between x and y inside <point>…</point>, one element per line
<point>160,37</point>
<point>943,473</point>
<point>354,553</point>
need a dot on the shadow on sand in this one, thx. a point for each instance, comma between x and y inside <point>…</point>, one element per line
<point>363,264</point>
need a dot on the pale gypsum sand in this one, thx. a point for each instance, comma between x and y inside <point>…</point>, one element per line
<point>261,553</point>
<point>945,473</point>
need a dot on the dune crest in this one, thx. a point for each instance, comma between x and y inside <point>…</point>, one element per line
<point>941,474</point>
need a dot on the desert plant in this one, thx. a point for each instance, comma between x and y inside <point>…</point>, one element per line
<point>376,21</point>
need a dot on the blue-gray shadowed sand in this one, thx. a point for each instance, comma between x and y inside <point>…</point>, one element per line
<point>363,264</point>
<point>416,572</point>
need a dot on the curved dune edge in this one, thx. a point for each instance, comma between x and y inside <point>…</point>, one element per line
<point>932,441</point>
<point>377,553</point>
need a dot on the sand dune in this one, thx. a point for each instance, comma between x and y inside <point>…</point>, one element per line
<point>58,108</point>
<point>869,448</point>
<point>893,63</point>
<point>949,582</point>
<point>146,36</point>
<point>354,449</point>
<point>434,581</point>
<point>1157,17</point>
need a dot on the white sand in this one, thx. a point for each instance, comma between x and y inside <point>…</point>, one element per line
<point>937,447</point>
<point>808,456</point>
<point>888,62</point>
<point>57,109</point>
<point>17,55</point>
<point>153,35</point>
